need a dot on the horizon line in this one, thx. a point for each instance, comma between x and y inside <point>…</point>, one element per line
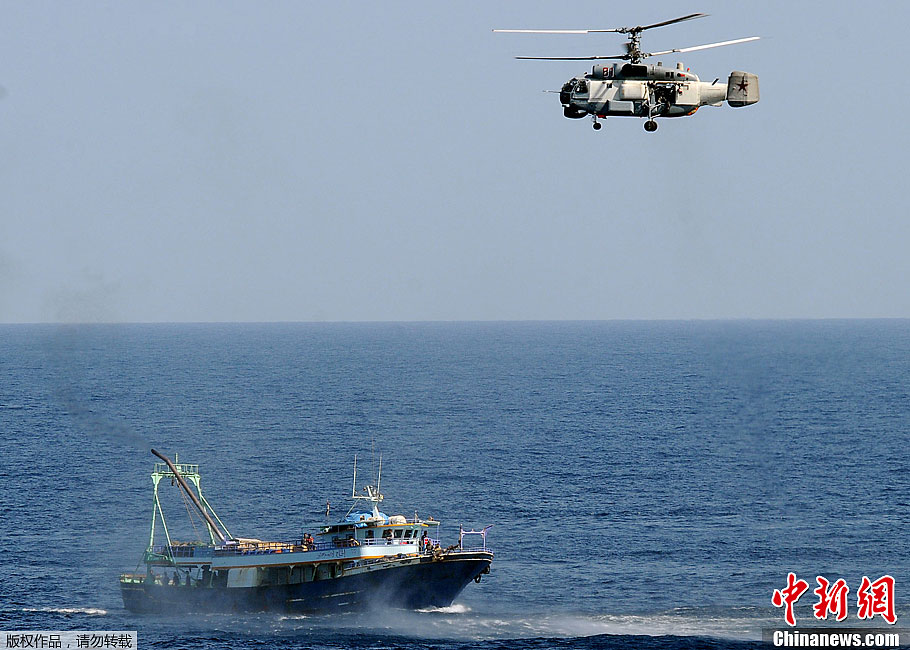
<point>728,319</point>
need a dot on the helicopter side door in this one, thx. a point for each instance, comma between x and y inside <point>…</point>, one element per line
<point>688,94</point>
<point>599,95</point>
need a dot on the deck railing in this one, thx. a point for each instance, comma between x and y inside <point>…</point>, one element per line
<point>298,546</point>
<point>182,550</point>
<point>183,468</point>
<point>473,540</point>
<point>179,551</point>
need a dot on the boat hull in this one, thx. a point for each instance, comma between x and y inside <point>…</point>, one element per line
<point>415,583</point>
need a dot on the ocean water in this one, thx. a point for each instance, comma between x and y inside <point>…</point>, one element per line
<point>649,483</point>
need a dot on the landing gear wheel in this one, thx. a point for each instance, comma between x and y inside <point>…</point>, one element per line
<point>597,126</point>
<point>650,126</point>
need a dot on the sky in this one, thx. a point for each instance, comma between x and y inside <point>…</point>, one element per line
<point>351,161</point>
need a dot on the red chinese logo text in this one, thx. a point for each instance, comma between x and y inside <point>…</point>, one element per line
<point>788,596</point>
<point>872,598</point>
<point>832,600</point>
<point>876,598</point>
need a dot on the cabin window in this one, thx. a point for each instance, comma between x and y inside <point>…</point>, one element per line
<point>407,533</point>
<point>387,534</point>
<point>369,534</point>
<point>398,533</point>
<point>630,70</point>
<point>582,87</point>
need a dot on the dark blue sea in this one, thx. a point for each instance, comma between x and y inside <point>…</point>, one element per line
<point>649,483</point>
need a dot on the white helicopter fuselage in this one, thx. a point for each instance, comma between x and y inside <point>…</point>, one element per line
<point>640,90</point>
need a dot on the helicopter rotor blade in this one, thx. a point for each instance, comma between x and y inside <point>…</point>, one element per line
<point>555,31</point>
<point>703,47</point>
<point>667,22</point>
<point>619,30</point>
<point>571,58</point>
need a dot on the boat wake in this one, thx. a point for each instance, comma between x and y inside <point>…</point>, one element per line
<point>451,609</point>
<point>90,611</point>
<point>461,623</point>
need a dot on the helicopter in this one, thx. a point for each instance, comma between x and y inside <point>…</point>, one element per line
<point>635,89</point>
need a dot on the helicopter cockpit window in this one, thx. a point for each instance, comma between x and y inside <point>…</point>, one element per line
<point>582,87</point>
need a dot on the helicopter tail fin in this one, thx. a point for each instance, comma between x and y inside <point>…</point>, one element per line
<point>742,89</point>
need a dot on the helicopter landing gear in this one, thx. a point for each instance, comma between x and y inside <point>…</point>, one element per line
<point>650,125</point>
<point>597,125</point>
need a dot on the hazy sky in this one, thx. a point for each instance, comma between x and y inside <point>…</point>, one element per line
<point>259,161</point>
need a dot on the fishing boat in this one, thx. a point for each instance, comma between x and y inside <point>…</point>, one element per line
<point>368,559</point>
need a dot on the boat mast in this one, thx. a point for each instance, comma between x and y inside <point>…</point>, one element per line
<point>354,487</point>
<point>213,528</point>
<point>373,495</point>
